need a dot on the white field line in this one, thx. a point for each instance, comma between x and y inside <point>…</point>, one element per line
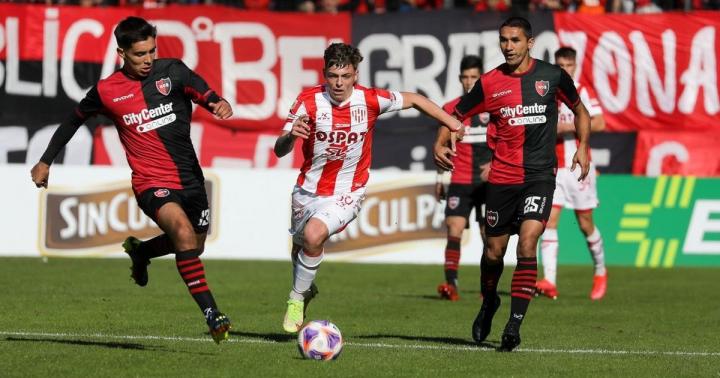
<point>247,340</point>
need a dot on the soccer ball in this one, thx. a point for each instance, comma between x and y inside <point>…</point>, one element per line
<point>320,340</point>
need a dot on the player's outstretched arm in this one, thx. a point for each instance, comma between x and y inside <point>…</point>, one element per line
<point>421,103</point>
<point>40,172</point>
<point>285,142</point>
<point>582,129</point>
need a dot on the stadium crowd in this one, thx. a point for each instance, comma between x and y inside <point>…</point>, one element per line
<point>383,6</point>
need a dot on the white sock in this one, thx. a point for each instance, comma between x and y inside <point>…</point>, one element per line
<point>597,251</point>
<point>549,251</point>
<point>304,271</point>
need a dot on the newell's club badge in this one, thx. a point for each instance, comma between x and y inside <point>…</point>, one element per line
<point>453,202</point>
<point>492,218</point>
<point>163,86</point>
<point>542,87</point>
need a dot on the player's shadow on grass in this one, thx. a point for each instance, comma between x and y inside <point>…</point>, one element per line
<point>468,293</point>
<point>430,339</point>
<point>277,337</point>
<point>105,344</point>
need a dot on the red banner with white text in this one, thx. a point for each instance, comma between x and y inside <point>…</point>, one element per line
<point>690,153</point>
<point>655,71</point>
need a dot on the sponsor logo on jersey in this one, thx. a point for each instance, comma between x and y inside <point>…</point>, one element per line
<point>340,136</point>
<point>164,85</point>
<point>524,114</point>
<point>502,93</point>
<point>123,98</point>
<point>160,193</point>
<point>142,117</point>
<point>542,87</point>
<point>492,218</point>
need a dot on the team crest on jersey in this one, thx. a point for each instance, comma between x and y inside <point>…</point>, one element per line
<point>492,218</point>
<point>453,202</point>
<point>164,85</point>
<point>542,87</point>
<point>160,193</point>
<point>358,114</point>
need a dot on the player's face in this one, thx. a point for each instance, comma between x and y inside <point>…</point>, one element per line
<point>468,78</point>
<point>138,59</point>
<point>340,81</point>
<point>568,65</point>
<point>515,45</point>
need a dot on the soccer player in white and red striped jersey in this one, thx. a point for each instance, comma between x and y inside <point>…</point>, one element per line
<point>580,196</point>
<point>336,122</point>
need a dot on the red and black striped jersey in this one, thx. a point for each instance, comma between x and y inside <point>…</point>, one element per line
<point>472,151</point>
<point>152,117</point>
<point>524,113</point>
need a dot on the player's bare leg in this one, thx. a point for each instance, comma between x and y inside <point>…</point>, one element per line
<point>456,226</point>
<point>306,263</point>
<point>173,220</point>
<point>491,268</point>
<point>549,250</point>
<point>523,281</point>
<point>597,252</point>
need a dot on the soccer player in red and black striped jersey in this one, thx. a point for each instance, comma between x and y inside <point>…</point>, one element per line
<point>522,97</point>
<point>467,183</point>
<point>149,100</point>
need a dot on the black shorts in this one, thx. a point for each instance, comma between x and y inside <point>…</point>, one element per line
<point>509,205</point>
<point>193,201</point>
<point>462,198</point>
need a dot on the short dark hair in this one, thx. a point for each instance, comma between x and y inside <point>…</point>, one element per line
<point>519,22</point>
<point>133,29</point>
<point>471,61</point>
<point>342,54</point>
<point>566,53</point>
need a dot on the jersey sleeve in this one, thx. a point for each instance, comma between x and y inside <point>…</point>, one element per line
<point>567,92</point>
<point>471,103</point>
<point>194,86</point>
<point>389,101</point>
<point>91,104</point>
<point>590,100</point>
<point>297,110</point>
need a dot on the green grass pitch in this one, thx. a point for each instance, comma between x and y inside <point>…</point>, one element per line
<point>85,317</point>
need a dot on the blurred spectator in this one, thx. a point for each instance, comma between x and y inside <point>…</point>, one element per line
<point>490,5</point>
<point>646,6</point>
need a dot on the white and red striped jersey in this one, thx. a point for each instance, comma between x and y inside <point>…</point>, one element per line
<point>566,144</point>
<point>338,152</point>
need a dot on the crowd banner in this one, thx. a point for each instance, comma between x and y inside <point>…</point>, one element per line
<point>651,72</point>
<point>673,153</point>
<point>88,211</point>
<point>662,76</point>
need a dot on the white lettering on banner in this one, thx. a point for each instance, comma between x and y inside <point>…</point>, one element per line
<point>182,33</point>
<point>67,63</point>
<point>225,33</point>
<point>51,29</point>
<point>613,63</point>
<point>546,43</point>
<point>611,58</point>
<point>292,52</point>
<point>13,83</point>
<point>702,223</point>
<point>578,41</point>
<point>658,153</point>
<point>701,72</point>
<point>85,219</point>
<point>12,138</point>
<point>2,46</point>
<point>422,80</point>
<point>647,77</point>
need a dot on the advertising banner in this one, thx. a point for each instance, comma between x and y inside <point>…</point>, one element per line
<point>673,153</point>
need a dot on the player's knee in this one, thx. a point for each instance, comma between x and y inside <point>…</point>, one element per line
<point>314,239</point>
<point>527,247</point>
<point>185,237</point>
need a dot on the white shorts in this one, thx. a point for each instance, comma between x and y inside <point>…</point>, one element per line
<point>573,194</point>
<point>335,211</point>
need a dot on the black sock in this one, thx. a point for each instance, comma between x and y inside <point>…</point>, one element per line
<point>523,288</point>
<point>452,259</point>
<point>160,245</point>
<point>490,272</point>
<point>192,271</point>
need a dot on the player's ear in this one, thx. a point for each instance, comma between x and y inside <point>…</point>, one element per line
<point>121,53</point>
<point>531,42</point>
